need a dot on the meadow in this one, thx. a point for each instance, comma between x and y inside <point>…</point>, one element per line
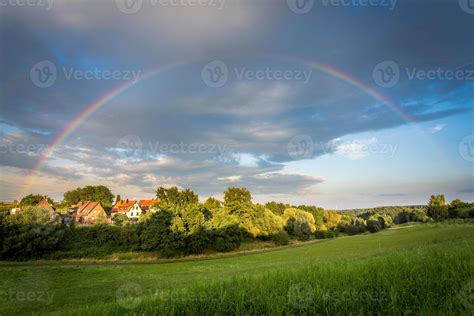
<point>409,269</point>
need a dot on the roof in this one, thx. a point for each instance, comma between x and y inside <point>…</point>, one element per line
<point>123,206</point>
<point>86,207</point>
<point>44,204</point>
<point>147,202</point>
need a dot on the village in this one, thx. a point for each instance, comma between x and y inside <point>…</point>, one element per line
<point>90,212</point>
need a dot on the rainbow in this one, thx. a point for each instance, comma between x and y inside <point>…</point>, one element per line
<point>109,96</point>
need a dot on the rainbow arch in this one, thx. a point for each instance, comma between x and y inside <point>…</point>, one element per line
<point>109,96</point>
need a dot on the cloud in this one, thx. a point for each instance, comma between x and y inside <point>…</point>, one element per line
<point>438,128</point>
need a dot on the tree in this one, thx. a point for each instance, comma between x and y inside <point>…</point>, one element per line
<point>437,208</point>
<point>97,193</point>
<point>119,219</point>
<point>299,223</point>
<point>459,209</point>
<point>174,196</point>
<point>276,207</point>
<point>34,199</point>
<point>118,198</point>
<point>31,233</point>
<point>212,204</point>
<point>235,198</point>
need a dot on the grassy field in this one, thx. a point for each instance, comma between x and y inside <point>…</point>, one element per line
<point>412,269</point>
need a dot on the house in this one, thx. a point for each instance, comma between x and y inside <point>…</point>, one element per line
<point>44,204</point>
<point>147,205</point>
<point>122,206</point>
<point>87,212</point>
<point>133,209</point>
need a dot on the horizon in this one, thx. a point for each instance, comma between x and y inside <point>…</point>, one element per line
<point>311,105</point>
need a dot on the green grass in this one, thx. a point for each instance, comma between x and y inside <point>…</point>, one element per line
<point>413,269</point>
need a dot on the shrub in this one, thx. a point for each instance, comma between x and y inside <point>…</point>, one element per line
<point>30,233</point>
<point>374,225</point>
<point>281,238</point>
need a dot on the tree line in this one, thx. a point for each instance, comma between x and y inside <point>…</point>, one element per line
<point>182,225</point>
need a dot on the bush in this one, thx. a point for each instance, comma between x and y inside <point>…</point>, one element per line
<point>30,233</point>
<point>281,238</point>
<point>438,212</point>
<point>374,225</point>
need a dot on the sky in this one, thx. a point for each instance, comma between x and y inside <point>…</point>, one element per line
<point>335,103</point>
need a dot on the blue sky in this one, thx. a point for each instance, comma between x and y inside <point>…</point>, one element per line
<point>243,107</point>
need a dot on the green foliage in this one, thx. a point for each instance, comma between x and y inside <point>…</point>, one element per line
<point>119,219</point>
<point>281,238</point>
<point>30,233</point>
<point>299,223</point>
<point>174,196</point>
<point>34,199</point>
<point>438,212</point>
<point>437,200</point>
<point>212,204</point>
<point>460,209</point>
<point>237,198</point>
<point>97,193</point>
<point>276,207</point>
<point>374,225</point>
